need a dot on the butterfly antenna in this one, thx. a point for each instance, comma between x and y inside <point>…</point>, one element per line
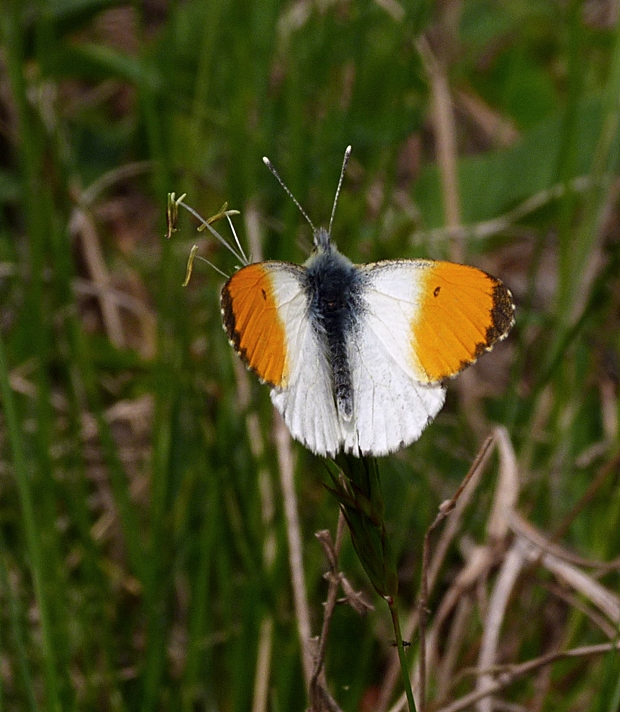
<point>245,260</point>
<point>345,161</point>
<point>269,165</point>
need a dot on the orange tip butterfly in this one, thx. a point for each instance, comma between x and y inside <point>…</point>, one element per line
<point>357,355</point>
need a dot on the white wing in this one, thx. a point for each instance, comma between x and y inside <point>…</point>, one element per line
<point>307,403</point>
<point>391,407</point>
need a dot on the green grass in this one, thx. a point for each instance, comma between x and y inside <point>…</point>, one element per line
<point>143,537</point>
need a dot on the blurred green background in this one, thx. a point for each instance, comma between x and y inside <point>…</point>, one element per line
<point>135,503</point>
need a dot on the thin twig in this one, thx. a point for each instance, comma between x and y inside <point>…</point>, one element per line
<point>319,696</point>
<point>332,592</point>
<point>444,511</point>
<point>507,674</point>
<point>607,469</point>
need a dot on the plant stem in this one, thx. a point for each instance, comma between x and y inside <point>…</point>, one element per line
<point>36,554</point>
<point>401,653</point>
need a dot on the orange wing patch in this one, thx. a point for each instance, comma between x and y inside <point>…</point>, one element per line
<point>462,313</point>
<point>253,325</point>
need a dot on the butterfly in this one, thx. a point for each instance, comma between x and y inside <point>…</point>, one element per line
<point>357,355</point>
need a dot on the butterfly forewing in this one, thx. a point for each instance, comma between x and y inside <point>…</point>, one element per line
<point>436,317</point>
<point>462,312</point>
<point>252,314</point>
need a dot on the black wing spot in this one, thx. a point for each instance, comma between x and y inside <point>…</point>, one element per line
<point>436,291</point>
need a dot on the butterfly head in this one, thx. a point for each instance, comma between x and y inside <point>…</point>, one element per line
<point>322,240</point>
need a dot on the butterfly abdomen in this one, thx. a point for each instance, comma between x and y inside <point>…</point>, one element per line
<point>334,290</point>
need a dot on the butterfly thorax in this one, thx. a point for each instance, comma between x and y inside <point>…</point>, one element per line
<point>333,287</point>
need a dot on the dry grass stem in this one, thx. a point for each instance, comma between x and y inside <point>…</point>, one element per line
<point>393,8</point>
<point>295,549</point>
<point>606,601</point>
<point>609,468</point>
<point>82,227</point>
<point>260,698</point>
<point>523,528</point>
<point>457,506</point>
<point>507,489</point>
<point>498,128</point>
<point>444,127</point>
<point>511,568</point>
<point>478,562</point>
<point>320,698</point>
<point>454,642</point>
<point>139,308</point>
<point>253,232</point>
<point>507,674</point>
<point>573,600</point>
<point>262,676</point>
<point>507,221</point>
<point>96,189</point>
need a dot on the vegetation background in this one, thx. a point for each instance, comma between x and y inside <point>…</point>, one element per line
<point>145,544</point>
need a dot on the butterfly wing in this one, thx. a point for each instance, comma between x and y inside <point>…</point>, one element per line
<point>423,322</point>
<point>265,313</point>
<point>420,322</point>
<point>463,311</point>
